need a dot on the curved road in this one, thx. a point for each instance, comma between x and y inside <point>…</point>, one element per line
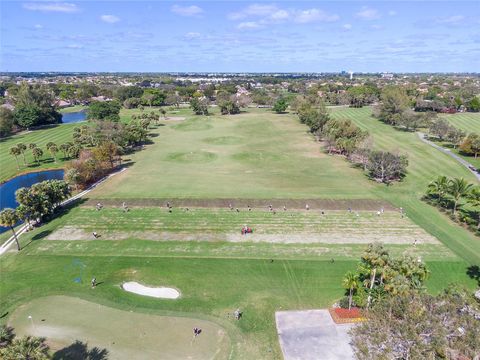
<point>449,153</point>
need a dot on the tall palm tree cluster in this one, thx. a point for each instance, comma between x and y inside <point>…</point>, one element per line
<point>36,202</point>
<point>37,153</point>
<point>457,195</point>
<point>378,276</point>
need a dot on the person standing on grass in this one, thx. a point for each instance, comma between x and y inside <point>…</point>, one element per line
<point>125,207</point>
<point>94,282</point>
<point>307,207</point>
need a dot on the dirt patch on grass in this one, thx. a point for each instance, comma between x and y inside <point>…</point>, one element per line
<point>298,204</point>
<point>191,157</point>
<point>331,237</point>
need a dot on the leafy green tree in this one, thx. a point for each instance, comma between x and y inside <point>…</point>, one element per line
<point>34,106</point>
<point>9,218</point>
<point>26,348</point>
<point>280,105</point>
<point>15,151</point>
<point>458,188</point>
<point>474,105</point>
<point>123,93</point>
<point>315,116</point>
<point>387,167</point>
<point>6,122</point>
<point>199,106</point>
<point>72,176</point>
<point>394,101</point>
<point>440,128</point>
<point>351,283</point>
<point>471,145</point>
<point>104,110</point>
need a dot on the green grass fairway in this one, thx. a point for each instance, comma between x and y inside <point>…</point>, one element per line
<point>253,155</point>
<point>124,334</point>
<point>469,122</point>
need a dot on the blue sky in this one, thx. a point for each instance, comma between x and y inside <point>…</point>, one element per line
<point>240,36</point>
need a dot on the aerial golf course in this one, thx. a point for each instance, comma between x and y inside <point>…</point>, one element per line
<point>294,260</point>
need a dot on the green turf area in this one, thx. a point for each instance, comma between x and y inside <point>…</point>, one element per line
<point>58,134</point>
<point>121,333</point>
<point>253,155</point>
<point>210,286</point>
<point>469,122</point>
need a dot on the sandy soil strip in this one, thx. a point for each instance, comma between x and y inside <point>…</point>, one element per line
<point>314,204</point>
<point>157,292</point>
<point>174,118</point>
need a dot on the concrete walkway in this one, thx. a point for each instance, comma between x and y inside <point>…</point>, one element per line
<point>449,153</point>
<point>6,245</point>
<point>312,335</point>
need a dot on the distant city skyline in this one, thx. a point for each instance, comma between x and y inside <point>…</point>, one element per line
<point>232,36</point>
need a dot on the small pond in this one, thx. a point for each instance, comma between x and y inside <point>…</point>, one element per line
<point>74,117</point>
<point>7,189</point>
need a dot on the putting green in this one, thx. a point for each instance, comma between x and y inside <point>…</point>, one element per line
<point>125,335</point>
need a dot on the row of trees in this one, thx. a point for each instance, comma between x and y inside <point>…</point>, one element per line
<point>457,195</point>
<point>35,204</point>
<point>37,152</point>
<point>342,136</point>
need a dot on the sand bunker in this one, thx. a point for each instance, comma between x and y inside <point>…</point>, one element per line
<point>158,292</point>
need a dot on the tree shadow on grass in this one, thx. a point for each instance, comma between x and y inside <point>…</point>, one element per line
<point>474,272</point>
<point>80,351</point>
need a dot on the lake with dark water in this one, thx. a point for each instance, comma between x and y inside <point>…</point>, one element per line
<point>7,189</point>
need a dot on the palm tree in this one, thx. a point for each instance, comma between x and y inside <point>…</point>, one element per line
<point>473,199</point>
<point>37,154</point>
<point>164,113</point>
<point>28,347</point>
<point>15,151</point>
<point>350,282</point>
<point>22,149</point>
<point>53,149</point>
<point>439,187</point>
<point>458,188</point>
<point>65,149</point>
<point>9,218</point>
<point>6,335</point>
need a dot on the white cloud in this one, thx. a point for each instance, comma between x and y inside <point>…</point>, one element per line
<point>249,25</point>
<point>254,10</point>
<point>314,15</point>
<point>51,7</point>
<point>347,26</point>
<point>368,14</point>
<point>192,10</point>
<point>111,19</point>
<point>280,15</point>
<point>454,19</point>
<point>392,13</point>
<point>192,35</point>
<point>75,46</point>
<point>38,26</point>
